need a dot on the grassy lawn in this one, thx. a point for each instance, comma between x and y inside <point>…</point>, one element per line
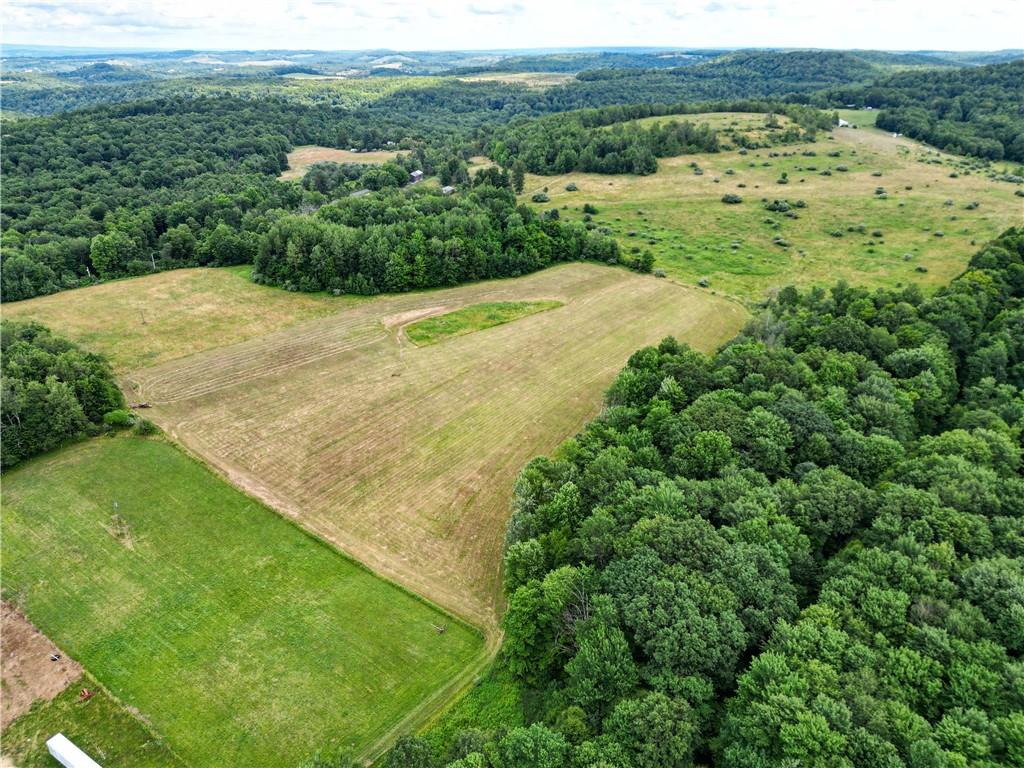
<point>100,726</point>
<point>926,230</point>
<point>476,317</point>
<point>239,638</point>
<point>148,320</point>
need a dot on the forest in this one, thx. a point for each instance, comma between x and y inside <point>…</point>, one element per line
<point>127,189</point>
<point>53,392</point>
<point>805,550</point>
<point>603,140</point>
<point>418,238</point>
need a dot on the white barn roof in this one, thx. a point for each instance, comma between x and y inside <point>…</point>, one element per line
<point>68,755</point>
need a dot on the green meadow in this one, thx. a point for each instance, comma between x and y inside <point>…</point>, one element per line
<point>238,638</point>
<point>876,210</point>
<point>473,318</point>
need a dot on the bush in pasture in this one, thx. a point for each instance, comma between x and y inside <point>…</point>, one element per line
<point>540,197</point>
<point>731,199</point>
<point>589,208</point>
<point>119,418</point>
<point>571,187</point>
<point>145,427</point>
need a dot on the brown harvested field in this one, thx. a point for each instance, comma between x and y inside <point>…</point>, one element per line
<point>300,158</point>
<point>150,320</point>
<point>27,673</point>
<point>405,457</point>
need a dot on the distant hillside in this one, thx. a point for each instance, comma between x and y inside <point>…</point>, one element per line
<point>582,61</point>
<point>971,110</point>
<point>103,73</point>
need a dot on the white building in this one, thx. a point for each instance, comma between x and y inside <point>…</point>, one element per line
<point>67,754</point>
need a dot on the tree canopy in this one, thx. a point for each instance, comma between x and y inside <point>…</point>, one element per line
<point>804,550</point>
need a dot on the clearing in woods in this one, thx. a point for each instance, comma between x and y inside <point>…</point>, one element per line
<point>405,456</point>
<point>899,213</point>
<point>258,651</point>
<point>300,158</point>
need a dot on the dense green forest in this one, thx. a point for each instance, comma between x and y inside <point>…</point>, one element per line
<point>127,189</point>
<point>52,392</point>
<point>603,141</point>
<point>803,551</point>
<point>419,238</point>
<point>972,111</point>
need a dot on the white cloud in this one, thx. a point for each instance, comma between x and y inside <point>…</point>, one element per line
<point>455,24</point>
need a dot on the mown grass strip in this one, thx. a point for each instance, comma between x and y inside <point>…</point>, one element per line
<point>476,317</point>
<point>241,639</point>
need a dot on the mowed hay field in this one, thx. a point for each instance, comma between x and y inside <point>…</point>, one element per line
<point>680,216</point>
<point>300,158</point>
<point>239,638</point>
<point>148,320</point>
<point>405,456</point>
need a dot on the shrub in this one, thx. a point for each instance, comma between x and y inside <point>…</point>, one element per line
<point>588,208</point>
<point>119,418</point>
<point>540,197</point>
<point>731,199</point>
<point>146,427</point>
<point>571,187</point>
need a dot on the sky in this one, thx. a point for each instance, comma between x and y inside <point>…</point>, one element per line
<point>503,24</point>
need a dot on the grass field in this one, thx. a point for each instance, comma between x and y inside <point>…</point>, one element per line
<point>185,311</point>
<point>680,216</point>
<point>239,638</point>
<point>476,317</point>
<point>101,726</point>
<point>405,456</point>
<point>300,158</point>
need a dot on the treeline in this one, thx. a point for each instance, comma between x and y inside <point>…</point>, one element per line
<point>971,111</point>
<point>52,391</point>
<point>419,238</point>
<point>564,144</point>
<point>128,189</point>
<point>804,550</point>
<point>605,141</point>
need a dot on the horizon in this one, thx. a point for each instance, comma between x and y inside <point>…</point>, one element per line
<point>511,25</point>
<point>539,50</point>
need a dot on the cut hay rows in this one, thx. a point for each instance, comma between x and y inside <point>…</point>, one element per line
<point>404,456</point>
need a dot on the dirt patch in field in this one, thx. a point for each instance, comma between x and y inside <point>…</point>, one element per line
<point>27,671</point>
<point>411,316</point>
